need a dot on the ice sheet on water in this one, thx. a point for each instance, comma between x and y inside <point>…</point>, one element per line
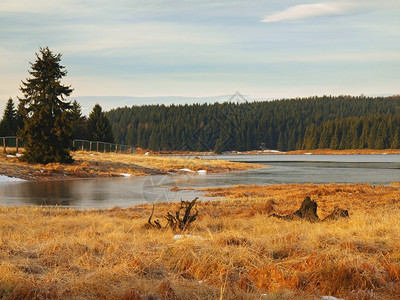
<point>4,178</point>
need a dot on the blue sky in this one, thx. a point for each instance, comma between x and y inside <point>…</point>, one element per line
<point>198,48</point>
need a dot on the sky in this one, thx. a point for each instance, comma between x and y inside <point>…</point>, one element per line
<point>271,49</point>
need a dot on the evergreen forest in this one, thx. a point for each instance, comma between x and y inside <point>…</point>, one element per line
<point>343,122</point>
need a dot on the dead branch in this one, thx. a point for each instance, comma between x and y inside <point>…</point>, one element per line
<point>156,223</point>
<point>182,218</point>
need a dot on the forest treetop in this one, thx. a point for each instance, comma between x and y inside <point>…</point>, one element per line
<point>289,124</point>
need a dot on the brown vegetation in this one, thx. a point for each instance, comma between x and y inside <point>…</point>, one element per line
<point>285,198</point>
<point>166,164</point>
<point>232,251</point>
<point>94,164</point>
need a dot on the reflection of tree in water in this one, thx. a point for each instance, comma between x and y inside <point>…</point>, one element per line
<point>77,193</point>
<point>157,189</point>
<point>98,190</point>
<point>51,193</point>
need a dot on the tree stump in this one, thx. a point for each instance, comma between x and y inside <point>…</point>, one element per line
<point>308,211</point>
<point>337,213</point>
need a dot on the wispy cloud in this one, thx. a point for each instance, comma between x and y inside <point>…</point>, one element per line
<point>141,37</point>
<point>305,11</point>
<point>383,56</point>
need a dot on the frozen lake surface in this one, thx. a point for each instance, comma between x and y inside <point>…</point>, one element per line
<point>124,192</point>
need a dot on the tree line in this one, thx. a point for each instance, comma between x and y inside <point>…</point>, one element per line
<point>371,132</point>
<point>96,127</point>
<point>342,122</point>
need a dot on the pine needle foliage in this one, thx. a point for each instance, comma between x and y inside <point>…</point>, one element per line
<point>46,131</point>
<point>8,125</point>
<point>99,128</point>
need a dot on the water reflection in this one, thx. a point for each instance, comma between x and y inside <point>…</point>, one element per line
<point>46,193</point>
<point>94,193</point>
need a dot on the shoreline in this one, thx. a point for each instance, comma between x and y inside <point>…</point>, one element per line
<point>277,152</point>
<point>345,152</point>
<point>95,164</point>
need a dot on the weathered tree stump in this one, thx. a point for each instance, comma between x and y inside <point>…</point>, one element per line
<point>308,211</point>
<point>337,213</point>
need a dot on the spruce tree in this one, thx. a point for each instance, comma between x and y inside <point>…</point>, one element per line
<point>8,125</point>
<point>78,125</point>
<point>99,128</point>
<point>395,144</point>
<point>46,130</point>
<point>21,115</point>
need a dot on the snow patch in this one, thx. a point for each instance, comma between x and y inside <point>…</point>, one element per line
<point>272,151</point>
<point>178,237</point>
<point>202,172</point>
<point>4,178</point>
<point>125,174</point>
<point>186,170</point>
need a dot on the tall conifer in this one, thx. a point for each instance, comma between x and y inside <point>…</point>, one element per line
<point>46,130</point>
<point>99,128</point>
<point>8,125</point>
<point>79,122</point>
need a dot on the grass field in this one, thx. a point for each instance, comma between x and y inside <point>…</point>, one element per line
<point>233,251</point>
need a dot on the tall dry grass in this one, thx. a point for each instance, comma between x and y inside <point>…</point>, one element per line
<point>165,163</point>
<point>233,251</point>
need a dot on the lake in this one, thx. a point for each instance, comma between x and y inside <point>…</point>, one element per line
<point>124,192</point>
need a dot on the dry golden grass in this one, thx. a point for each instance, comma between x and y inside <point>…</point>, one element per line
<point>95,164</point>
<point>233,251</point>
<point>286,198</point>
<point>165,163</point>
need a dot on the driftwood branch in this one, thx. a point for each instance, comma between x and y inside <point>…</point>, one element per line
<point>156,223</point>
<point>180,220</point>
